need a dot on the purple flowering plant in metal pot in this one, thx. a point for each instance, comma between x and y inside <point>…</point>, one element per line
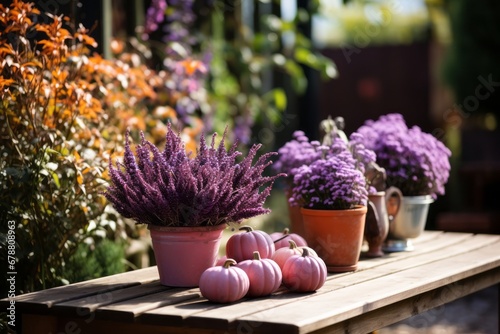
<point>172,188</point>
<point>415,162</point>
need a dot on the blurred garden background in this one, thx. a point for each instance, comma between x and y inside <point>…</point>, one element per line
<point>74,75</point>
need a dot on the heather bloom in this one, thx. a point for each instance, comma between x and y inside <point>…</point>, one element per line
<point>170,188</point>
<point>415,162</point>
<point>333,183</point>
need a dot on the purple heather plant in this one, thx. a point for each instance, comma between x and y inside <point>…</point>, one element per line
<point>333,183</point>
<point>415,162</point>
<point>170,188</point>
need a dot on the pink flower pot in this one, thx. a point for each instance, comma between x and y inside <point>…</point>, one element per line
<point>183,253</point>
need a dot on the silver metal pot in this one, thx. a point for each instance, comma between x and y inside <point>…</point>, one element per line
<point>408,223</point>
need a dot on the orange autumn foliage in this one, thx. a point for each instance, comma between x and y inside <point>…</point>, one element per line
<point>63,110</point>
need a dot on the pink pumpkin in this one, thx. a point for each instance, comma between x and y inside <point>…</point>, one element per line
<point>282,254</point>
<point>304,273</point>
<point>221,260</point>
<point>264,275</point>
<point>281,239</point>
<point>224,284</point>
<point>242,245</point>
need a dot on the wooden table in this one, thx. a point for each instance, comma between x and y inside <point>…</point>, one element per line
<point>442,268</point>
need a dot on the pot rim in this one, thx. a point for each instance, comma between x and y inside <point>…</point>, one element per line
<point>378,193</point>
<point>360,209</point>
<point>187,228</point>
<point>423,199</point>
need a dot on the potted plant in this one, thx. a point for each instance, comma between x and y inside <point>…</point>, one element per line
<point>293,154</point>
<point>416,163</point>
<point>186,201</point>
<point>332,193</point>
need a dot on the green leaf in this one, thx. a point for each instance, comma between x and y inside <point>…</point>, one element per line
<point>56,179</point>
<point>306,57</point>
<point>273,115</point>
<point>49,150</point>
<point>279,98</point>
<point>299,82</point>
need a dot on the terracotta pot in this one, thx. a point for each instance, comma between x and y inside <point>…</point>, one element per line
<point>336,235</point>
<point>296,223</point>
<point>183,253</point>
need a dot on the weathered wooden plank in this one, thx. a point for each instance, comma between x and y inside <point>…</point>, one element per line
<point>174,315</point>
<point>426,236</point>
<point>433,240</point>
<point>88,304</point>
<point>427,242</point>
<point>310,314</point>
<point>221,317</point>
<point>129,309</point>
<point>444,251</point>
<point>36,324</point>
<point>439,259</point>
<point>404,309</point>
<point>41,301</point>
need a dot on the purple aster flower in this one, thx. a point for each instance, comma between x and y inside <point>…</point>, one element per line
<point>415,162</point>
<point>296,153</point>
<point>299,152</point>
<point>332,183</point>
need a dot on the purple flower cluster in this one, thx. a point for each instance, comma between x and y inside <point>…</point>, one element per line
<point>173,21</point>
<point>170,188</point>
<point>328,177</point>
<point>295,153</point>
<point>364,157</point>
<point>415,162</point>
<point>333,183</point>
<point>300,151</point>
<point>155,15</point>
<point>179,21</point>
